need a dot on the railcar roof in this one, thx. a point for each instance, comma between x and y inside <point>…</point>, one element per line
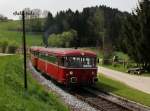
<point>64,51</point>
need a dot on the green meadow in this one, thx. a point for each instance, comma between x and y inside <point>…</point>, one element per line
<point>10,30</point>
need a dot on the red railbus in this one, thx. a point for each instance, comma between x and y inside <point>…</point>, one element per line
<point>66,66</point>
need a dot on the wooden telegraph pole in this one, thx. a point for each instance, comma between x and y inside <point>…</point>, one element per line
<point>23,13</point>
<point>24,48</point>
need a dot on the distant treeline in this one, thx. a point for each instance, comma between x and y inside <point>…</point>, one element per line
<point>3,18</point>
<point>94,25</point>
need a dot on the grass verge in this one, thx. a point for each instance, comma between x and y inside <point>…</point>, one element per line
<point>13,97</point>
<point>118,88</point>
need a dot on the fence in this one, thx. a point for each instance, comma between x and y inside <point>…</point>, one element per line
<point>123,62</point>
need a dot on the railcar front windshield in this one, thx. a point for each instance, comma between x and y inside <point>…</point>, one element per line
<point>78,62</point>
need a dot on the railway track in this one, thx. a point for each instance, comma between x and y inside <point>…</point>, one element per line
<point>107,102</point>
<point>98,102</point>
<point>128,104</point>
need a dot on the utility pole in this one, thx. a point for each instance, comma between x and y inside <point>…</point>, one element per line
<point>24,50</point>
<point>23,13</point>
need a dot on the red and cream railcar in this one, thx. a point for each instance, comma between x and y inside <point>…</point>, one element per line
<point>66,66</point>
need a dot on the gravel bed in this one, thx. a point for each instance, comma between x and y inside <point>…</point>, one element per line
<point>74,103</point>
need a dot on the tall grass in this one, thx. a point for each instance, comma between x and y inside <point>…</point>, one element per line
<point>13,97</point>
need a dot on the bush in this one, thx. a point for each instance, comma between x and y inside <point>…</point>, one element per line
<point>55,40</point>
<point>3,45</point>
<point>12,47</point>
<point>62,40</point>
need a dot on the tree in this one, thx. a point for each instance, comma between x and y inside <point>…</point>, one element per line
<point>34,22</point>
<point>62,40</point>
<point>96,27</point>
<point>49,21</point>
<point>137,34</point>
<point>3,45</point>
<point>3,18</point>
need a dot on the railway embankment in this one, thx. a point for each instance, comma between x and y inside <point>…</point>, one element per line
<point>13,97</point>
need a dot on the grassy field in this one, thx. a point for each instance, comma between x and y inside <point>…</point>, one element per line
<point>118,67</point>
<point>8,31</point>
<point>118,88</point>
<point>12,94</point>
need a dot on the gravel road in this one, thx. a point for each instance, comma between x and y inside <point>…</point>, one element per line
<point>138,82</point>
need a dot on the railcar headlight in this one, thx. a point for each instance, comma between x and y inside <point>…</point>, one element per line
<point>93,73</point>
<point>71,73</point>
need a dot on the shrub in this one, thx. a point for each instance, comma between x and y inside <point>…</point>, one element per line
<point>64,39</point>
<point>3,45</point>
<point>12,47</point>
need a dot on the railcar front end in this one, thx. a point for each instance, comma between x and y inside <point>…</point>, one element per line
<point>79,71</point>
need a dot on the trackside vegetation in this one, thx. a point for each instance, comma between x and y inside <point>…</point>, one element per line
<point>13,97</point>
<point>109,85</point>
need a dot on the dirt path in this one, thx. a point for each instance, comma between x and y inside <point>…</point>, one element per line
<point>138,82</point>
<point>2,54</point>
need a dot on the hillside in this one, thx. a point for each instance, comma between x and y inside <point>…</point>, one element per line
<point>8,30</point>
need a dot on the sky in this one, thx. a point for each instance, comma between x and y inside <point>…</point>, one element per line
<point>7,7</point>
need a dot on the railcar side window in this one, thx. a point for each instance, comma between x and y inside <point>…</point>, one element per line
<point>42,56</point>
<point>52,59</point>
<point>61,61</point>
<point>32,52</point>
<point>49,58</point>
<point>35,53</point>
